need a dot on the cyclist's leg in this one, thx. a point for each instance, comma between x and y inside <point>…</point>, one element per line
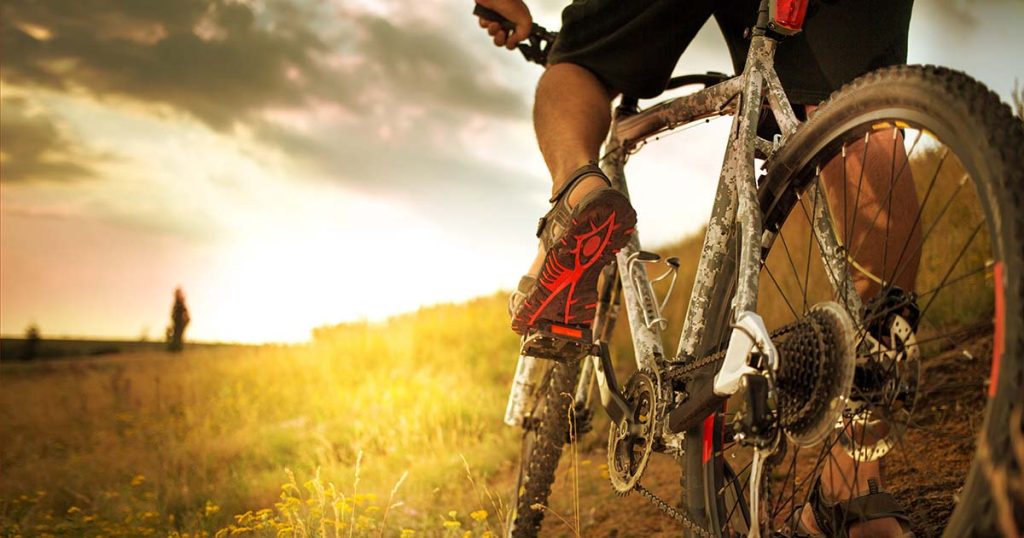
<point>877,203</point>
<point>875,229</point>
<point>571,115</point>
<point>605,47</point>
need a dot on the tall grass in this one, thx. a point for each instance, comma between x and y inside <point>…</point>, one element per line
<point>185,443</point>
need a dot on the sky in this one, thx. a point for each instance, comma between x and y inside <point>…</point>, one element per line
<point>298,163</point>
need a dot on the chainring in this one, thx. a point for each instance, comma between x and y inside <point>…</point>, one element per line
<point>629,448</point>
<point>888,377</point>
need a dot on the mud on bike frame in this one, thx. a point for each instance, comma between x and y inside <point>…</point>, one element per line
<point>736,217</point>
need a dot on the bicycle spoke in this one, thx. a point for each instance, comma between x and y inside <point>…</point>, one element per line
<point>917,217</point>
<point>796,317</point>
<point>826,265</point>
<point>953,265</point>
<point>878,213</point>
<point>810,243</point>
<point>860,181</point>
<point>888,210</point>
<point>935,223</point>
<point>792,265</point>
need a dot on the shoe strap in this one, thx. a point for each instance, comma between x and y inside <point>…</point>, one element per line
<point>589,169</point>
<point>560,213</point>
<point>835,519</point>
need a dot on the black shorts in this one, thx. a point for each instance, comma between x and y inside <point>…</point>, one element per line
<point>633,45</point>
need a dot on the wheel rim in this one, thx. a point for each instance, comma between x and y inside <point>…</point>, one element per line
<point>955,296</point>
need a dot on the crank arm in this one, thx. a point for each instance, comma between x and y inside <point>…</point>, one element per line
<point>611,396</point>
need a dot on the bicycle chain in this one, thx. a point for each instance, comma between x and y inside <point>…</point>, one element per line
<point>680,517</point>
<point>677,371</point>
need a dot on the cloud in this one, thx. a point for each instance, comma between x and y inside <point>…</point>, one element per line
<point>35,146</point>
<point>424,64</point>
<point>212,59</point>
<point>222,61</point>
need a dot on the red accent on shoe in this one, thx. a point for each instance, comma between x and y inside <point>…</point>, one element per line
<point>566,331</point>
<point>557,278</point>
<point>565,290</point>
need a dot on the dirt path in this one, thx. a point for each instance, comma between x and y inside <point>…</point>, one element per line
<point>924,472</point>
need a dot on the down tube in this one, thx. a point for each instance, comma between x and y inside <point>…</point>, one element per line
<point>735,203</point>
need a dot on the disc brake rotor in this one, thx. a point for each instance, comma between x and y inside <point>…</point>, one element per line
<point>887,380</point>
<point>630,445</point>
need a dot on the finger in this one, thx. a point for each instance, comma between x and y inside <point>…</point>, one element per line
<point>500,37</point>
<point>522,31</point>
<point>484,23</point>
<point>494,29</point>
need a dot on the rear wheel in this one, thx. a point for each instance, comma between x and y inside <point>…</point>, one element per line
<point>931,230</point>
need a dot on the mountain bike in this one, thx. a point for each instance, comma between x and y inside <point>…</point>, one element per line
<point>792,349</point>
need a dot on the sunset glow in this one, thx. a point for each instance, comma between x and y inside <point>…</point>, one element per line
<point>296,165</point>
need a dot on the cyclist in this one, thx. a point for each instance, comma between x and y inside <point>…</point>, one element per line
<point>611,47</point>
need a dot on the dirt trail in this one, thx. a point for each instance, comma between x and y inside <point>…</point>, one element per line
<point>923,473</point>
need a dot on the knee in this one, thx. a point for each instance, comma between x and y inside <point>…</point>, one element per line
<point>571,78</point>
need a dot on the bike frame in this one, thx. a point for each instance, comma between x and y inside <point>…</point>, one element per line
<point>736,215</point>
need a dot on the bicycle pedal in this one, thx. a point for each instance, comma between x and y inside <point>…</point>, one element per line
<point>557,342</point>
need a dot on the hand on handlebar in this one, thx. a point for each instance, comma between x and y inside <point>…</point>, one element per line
<point>507,35</point>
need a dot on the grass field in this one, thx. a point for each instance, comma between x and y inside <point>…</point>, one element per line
<point>150,443</point>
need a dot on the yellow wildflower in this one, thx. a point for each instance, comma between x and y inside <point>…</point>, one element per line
<point>407,533</point>
<point>451,524</point>
<point>210,509</point>
<point>479,515</point>
<point>138,479</point>
<point>74,510</point>
<point>452,514</point>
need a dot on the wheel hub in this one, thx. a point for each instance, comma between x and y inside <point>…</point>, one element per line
<point>887,380</point>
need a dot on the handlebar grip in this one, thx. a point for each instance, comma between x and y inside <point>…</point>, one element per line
<point>493,16</point>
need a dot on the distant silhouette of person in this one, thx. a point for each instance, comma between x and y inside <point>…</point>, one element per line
<point>31,347</point>
<point>179,320</point>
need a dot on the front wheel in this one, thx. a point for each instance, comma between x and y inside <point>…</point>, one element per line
<point>918,175</point>
<point>545,432</point>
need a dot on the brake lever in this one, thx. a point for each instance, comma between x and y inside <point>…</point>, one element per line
<point>537,44</point>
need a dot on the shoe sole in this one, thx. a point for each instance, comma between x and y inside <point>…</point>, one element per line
<point>565,292</point>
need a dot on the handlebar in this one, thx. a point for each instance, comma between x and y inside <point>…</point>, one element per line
<point>535,49</point>
<point>537,44</point>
